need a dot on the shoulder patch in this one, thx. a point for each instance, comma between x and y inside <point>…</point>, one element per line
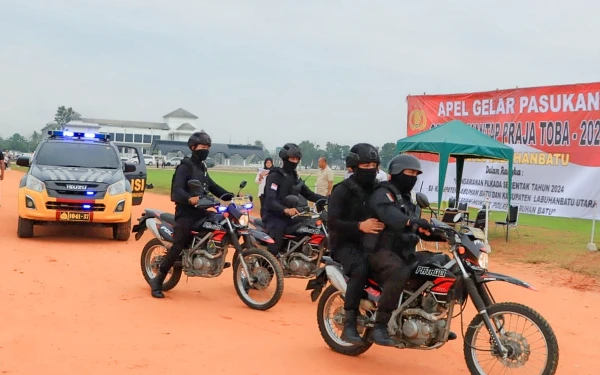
<point>274,186</point>
<point>390,197</point>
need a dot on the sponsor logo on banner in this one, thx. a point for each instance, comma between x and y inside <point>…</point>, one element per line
<point>554,131</point>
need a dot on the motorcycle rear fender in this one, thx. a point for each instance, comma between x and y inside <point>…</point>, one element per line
<point>336,278</point>
<point>152,225</point>
<point>492,276</point>
<point>317,283</point>
<point>260,236</point>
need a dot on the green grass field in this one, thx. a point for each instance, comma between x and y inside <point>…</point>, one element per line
<point>552,240</point>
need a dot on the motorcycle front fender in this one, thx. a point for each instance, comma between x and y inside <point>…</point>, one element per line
<point>492,276</point>
<point>260,236</point>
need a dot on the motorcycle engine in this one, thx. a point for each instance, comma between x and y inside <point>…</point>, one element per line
<point>416,329</point>
<point>204,262</point>
<point>303,263</point>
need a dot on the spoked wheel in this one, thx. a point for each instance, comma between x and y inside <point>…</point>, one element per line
<point>531,343</point>
<point>152,255</point>
<point>330,317</point>
<point>267,277</point>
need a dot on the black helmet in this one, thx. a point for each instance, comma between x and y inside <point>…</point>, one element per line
<point>362,153</point>
<point>199,138</point>
<point>402,162</point>
<point>290,150</point>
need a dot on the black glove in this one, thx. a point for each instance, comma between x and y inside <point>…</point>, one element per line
<point>421,224</point>
<point>227,197</point>
<point>320,204</point>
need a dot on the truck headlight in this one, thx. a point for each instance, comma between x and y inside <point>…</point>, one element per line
<point>117,188</point>
<point>35,184</point>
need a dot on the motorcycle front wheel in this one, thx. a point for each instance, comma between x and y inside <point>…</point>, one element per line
<point>530,341</point>
<point>265,271</point>
<point>152,254</point>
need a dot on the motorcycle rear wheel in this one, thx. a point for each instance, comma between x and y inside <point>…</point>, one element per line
<point>331,338</point>
<point>148,267</point>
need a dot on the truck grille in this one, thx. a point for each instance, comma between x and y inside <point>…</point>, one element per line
<point>63,206</point>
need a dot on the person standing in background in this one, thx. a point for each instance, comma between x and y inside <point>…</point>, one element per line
<point>381,175</point>
<point>324,182</point>
<point>261,178</point>
<point>1,165</point>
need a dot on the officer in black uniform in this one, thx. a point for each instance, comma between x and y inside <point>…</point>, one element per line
<point>280,183</point>
<point>349,219</point>
<point>395,250</point>
<point>186,214</point>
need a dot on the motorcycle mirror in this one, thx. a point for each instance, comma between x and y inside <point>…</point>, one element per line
<point>243,184</point>
<point>458,217</point>
<point>422,200</point>
<point>291,201</point>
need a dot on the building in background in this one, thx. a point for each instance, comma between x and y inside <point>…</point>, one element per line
<point>167,138</point>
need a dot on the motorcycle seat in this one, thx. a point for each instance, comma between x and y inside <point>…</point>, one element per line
<point>150,213</point>
<point>167,217</point>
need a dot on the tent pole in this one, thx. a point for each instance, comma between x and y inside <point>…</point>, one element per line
<point>487,216</point>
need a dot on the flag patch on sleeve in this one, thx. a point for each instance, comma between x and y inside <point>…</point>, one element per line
<point>390,197</point>
<point>274,187</point>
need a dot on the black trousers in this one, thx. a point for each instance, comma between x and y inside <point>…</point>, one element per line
<point>276,229</point>
<point>261,198</point>
<point>392,273</point>
<point>182,237</point>
<point>354,263</point>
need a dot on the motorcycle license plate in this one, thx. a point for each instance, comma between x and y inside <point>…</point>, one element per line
<point>74,216</point>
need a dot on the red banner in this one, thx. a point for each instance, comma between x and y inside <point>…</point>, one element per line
<point>561,122</point>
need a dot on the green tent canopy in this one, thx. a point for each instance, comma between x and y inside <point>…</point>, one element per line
<point>459,140</point>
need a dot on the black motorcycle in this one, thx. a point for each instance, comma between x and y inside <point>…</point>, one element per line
<point>254,269</point>
<point>305,241</point>
<point>424,315</point>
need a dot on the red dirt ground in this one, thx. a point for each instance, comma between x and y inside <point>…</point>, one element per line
<point>74,301</point>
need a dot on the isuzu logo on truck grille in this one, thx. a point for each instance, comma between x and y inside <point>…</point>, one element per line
<point>76,187</point>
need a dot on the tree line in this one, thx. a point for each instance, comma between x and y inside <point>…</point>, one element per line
<point>333,152</point>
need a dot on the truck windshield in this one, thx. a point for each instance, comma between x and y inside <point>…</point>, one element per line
<point>80,155</point>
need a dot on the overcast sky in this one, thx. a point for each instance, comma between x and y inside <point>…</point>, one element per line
<point>280,70</point>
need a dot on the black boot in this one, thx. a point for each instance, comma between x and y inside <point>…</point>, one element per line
<point>452,336</point>
<point>380,335</point>
<point>156,285</point>
<point>350,333</point>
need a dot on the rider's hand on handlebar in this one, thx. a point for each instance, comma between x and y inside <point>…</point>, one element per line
<point>422,226</point>
<point>371,226</point>
<point>291,211</point>
<point>211,209</point>
<point>194,200</point>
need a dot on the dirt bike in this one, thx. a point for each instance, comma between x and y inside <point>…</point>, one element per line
<point>254,269</point>
<point>437,285</point>
<point>305,242</point>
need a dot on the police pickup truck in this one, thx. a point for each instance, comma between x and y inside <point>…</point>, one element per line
<point>79,178</point>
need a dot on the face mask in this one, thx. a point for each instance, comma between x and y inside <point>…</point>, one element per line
<point>365,176</point>
<point>289,166</point>
<point>404,183</point>
<point>201,154</point>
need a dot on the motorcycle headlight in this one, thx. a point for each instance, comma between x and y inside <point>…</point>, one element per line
<point>244,220</point>
<point>35,184</point>
<point>483,260</point>
<point>117,188</point>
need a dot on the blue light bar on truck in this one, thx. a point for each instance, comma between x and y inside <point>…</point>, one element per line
<point>69,134</point>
